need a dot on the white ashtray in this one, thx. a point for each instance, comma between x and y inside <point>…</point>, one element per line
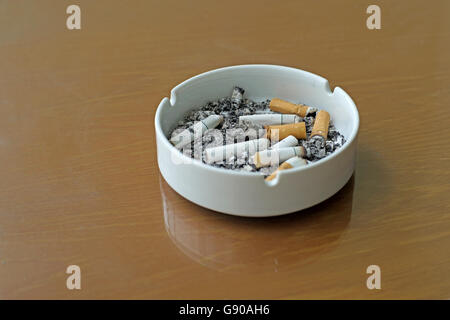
<point>247,193</point>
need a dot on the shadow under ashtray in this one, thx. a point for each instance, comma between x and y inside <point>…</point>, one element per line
<point>236,244</point>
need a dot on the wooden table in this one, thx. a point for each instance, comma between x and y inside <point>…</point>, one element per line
<point>79,182</point>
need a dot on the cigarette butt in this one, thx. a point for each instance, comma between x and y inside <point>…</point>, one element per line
<point>289,141</point>
<point>321,124</point>
<point>237,96</point>
<point>283,106</point>
<point>294,162</point>
<point>185,137</point>
<point>275,156</point>
<point>227,151</point>
<point>271,119</point>
<point>298,130</point>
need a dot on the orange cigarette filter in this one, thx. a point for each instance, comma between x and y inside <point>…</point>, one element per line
<point>283,166</point>
<point>321,124</point>
<point>297,130</point>
<point>283,106</point>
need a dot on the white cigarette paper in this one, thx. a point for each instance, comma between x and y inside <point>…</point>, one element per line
<point>296,162</point>
<point>275,156</point>
<point>289,141</point>
<point>186,136</point>
<point>271,119</point>
<point>225,152</point>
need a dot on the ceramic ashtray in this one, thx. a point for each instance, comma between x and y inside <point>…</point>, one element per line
<point>256,140</point>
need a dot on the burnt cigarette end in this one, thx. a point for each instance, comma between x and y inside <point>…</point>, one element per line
<point>238,90</point>
<point>237,96</point>
<point>316,147</point>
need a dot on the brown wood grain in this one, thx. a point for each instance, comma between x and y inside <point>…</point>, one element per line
<point>79,182</point>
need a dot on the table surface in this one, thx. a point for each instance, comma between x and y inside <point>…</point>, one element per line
<point>79,181</point>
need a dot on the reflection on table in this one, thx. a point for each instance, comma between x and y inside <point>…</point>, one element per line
<point>236,244</point>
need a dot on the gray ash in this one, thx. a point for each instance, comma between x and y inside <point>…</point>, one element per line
<point>231,131</point>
